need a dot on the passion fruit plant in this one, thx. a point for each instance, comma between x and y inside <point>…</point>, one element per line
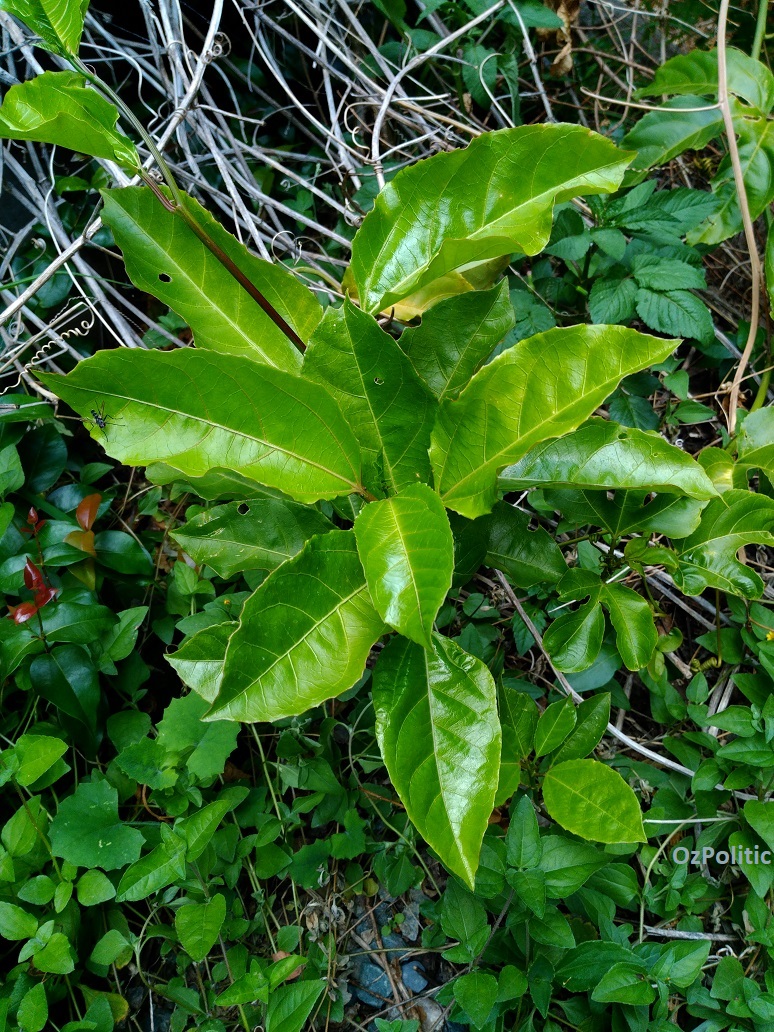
<point>362,471</point>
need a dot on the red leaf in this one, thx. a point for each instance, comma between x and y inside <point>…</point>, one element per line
<point>22,613</point>
<point>44,595</point>
<point>87,510</point>
<point>33,578</point>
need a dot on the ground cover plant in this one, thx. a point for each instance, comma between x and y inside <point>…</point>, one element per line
<point>310,700</point>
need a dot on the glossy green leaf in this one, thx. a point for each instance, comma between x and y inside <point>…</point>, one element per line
<point>87,830</point>
<point>457,336</point>
<point>58,108</point>
<point>760,817</point>
<point>304,635</point>
<point>602,454</point>
<point>67,677</point>
<point>593,801</point>
<point>661,135</point>
<point>406,548</point>
<point>540,388</point>
<point>196,410</point>
<point>756,156</point>
<point>755,440</point>
<point>389,408</point>
<point>628,511</point>
<point>198,925</point>
<point>165,257</point>
<point>592,715</point>
<point>259,534</point>
<point>526,557</point>
<point>199,661</point>
<point>58,23</point>
<point>438,730</point>
<point>624,983</point>
<point>157,869</point>
<point>574,639</point>
<point>290,1006</point>
<point>707,558</point>
<point>36,754</point>
<point>697,73</point>
<point>555,723</point>
<point>16,923</point>
<point>523,846</point>
<point>632,618</point>
<point>467,206</point>
<point>199,828</point>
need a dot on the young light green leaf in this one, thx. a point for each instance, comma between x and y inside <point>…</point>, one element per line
<point>259,534</point>
<point>198,925</point>
<point>406,548</point>
<point>527,557</point>
<point>304,635</point>
<point>755,437</point>
<point>540,388</point>
<point>199,828</point>
<point>165,257</point>
<point>457,336</point>
<point>473,208</point>
<point>632,618</point>
<point>58,108</point>
<point>94,888</point>
<point>16,923</point>
<point>196,410</point>
<point>88,832</point>
<point>438,730</point>
<point>186,740</point>
<point>707,558</point>
<point>33,1009</point>
<point>602,454</point>
<point>59,23</point>
<point>387,405</point>
<point>593,801</point>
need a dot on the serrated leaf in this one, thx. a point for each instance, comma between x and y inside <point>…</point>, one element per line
<point>661,135</point>
<point>466,206</point>
<point>697,73</point>
<point>602,454</point>
<point>612,300</point>
<point>258,534</point>
<point>540,388</point>
<point>58,108</point>
<point>438,730</point>
<point>87,831</point>
<point>59,23</point>
<point>593,801</point>
<point>707,558</point>
<point>527,557</point>
<point>407,551</point>
<point>303,637</point>
<point>165,257</point>
<point>657,273</point>
<point>262,423</point>
<point>198,925</point>
<point>675,312</point>
<point>456,337</point>
<point>387,405</point>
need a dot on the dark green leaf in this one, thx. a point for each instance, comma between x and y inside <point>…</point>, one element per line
<point>526,557</point>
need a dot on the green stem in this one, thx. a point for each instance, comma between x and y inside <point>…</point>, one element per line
<point>760,29</point>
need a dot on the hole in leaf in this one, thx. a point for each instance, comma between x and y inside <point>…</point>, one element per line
<point>165,278</point>
<point>243,509</point>
<point>378,381</point>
